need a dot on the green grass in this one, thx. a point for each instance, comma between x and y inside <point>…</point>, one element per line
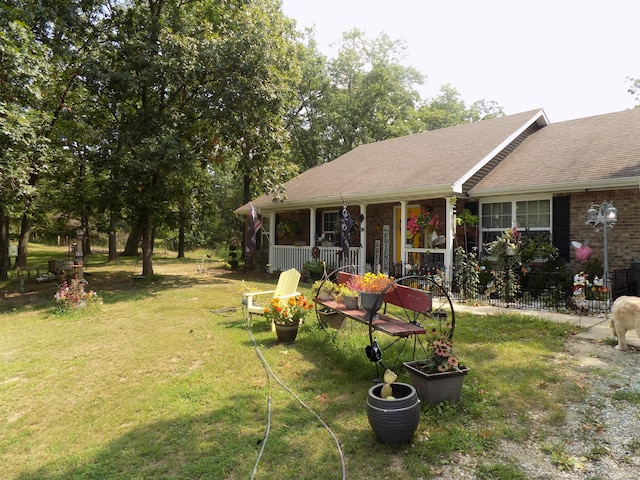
<point>163,382</point>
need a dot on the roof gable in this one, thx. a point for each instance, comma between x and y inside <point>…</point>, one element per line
<point>602,151</point>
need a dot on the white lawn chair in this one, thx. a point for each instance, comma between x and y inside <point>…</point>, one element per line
<point>287,287</point>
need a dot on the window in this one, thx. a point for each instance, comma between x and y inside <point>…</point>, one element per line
<point>535,214</point>
<point>329,222</point>
<point>529,216</point>
<point>496,216</point>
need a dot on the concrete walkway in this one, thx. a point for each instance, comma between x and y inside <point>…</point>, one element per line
<point>597,325</point>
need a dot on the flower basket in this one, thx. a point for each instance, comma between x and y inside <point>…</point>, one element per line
<point>434,388</point>
<point>285,315</point>
<point>331,318</point>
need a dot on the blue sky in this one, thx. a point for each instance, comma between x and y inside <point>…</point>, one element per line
<point>569,57</point>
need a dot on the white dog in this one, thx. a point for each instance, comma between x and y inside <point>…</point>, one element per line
<point>625,315</point>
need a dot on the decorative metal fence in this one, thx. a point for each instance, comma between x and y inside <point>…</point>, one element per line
<point>535,290</point>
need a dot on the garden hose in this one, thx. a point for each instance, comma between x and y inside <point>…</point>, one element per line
<point>270,375</point>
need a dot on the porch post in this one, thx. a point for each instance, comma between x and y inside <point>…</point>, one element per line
<point>312,227</point>
<point>272,239</point>
<point>403,235</point>
<point>363,236</point>
<point>450,233</point>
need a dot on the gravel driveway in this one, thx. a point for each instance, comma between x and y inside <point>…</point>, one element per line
<point>600,438</point>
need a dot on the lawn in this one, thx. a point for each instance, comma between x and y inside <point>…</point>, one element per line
<point>164,381</point>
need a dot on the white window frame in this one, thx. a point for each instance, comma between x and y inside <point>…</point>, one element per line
<point>514,214</point>
<point>330,234</point>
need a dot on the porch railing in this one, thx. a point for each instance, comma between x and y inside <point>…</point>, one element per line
<point>290,256</point>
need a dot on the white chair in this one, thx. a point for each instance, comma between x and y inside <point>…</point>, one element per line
<point>287,287</point>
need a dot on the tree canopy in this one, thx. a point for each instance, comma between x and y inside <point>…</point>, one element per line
<point>159,117</point>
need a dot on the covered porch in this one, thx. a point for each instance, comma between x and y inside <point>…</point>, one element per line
<point>379,238</point>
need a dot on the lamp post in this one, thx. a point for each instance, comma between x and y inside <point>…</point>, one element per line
<point>605,215</point>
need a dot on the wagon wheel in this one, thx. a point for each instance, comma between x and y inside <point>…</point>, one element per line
<point>420,302</point>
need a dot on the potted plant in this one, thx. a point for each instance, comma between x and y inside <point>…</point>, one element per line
<point>439,376</point>
<point>393,410</point>
<point>370,286</point>
<point>286,314</point>
<point>314,269</point>
<point>506,245</point>
<point>538,249</point>
<point>324,289</point>
<point>347,296</point>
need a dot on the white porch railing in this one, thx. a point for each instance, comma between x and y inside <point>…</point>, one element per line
<point>290,256</point>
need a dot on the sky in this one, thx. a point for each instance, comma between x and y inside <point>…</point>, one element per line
<point>568,57</point>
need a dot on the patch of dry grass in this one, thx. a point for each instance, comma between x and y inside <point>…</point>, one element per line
<point>163,381</point>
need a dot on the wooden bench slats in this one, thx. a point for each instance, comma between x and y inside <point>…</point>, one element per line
<point>383,323</point>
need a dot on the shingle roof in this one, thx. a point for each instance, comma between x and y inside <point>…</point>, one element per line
<point>594,152</point>
<point>423,165</point>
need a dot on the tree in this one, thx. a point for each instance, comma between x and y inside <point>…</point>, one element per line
<point>634,88</point>
<point>372,96</point>
<point>448,109</point>
<point>256,75</point>
<point>47,39</point>
<point>180,86</point>
<point>305,121</point>
<point>23,79</point>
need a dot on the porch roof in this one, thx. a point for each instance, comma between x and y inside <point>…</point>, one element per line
<point>425,165</point>
<point>597,153</point>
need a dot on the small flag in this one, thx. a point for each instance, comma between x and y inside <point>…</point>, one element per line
<point>347,223</point>
<point>253,227</point>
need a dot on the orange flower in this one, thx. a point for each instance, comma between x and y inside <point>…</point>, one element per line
<point>290,310</point>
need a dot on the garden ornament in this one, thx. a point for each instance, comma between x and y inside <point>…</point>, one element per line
<point>583,251</point>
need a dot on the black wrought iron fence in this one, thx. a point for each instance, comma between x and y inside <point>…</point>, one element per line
<point>536,289</point>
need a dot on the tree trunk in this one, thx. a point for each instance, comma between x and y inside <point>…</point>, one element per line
<point>113,246</point>
<point>147,247</point>
<point>23,242</point>
<point>181,241</point>
<point>86,244</point>
<point>133,242</point>
<point>4,244</point>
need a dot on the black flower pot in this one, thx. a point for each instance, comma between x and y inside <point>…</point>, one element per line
<point>394,420</point>
<point>434,388</point>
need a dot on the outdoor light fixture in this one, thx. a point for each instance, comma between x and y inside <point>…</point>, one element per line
<point>604,215</point>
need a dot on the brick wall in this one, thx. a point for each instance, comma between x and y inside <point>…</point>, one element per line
<point>623,239</point>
